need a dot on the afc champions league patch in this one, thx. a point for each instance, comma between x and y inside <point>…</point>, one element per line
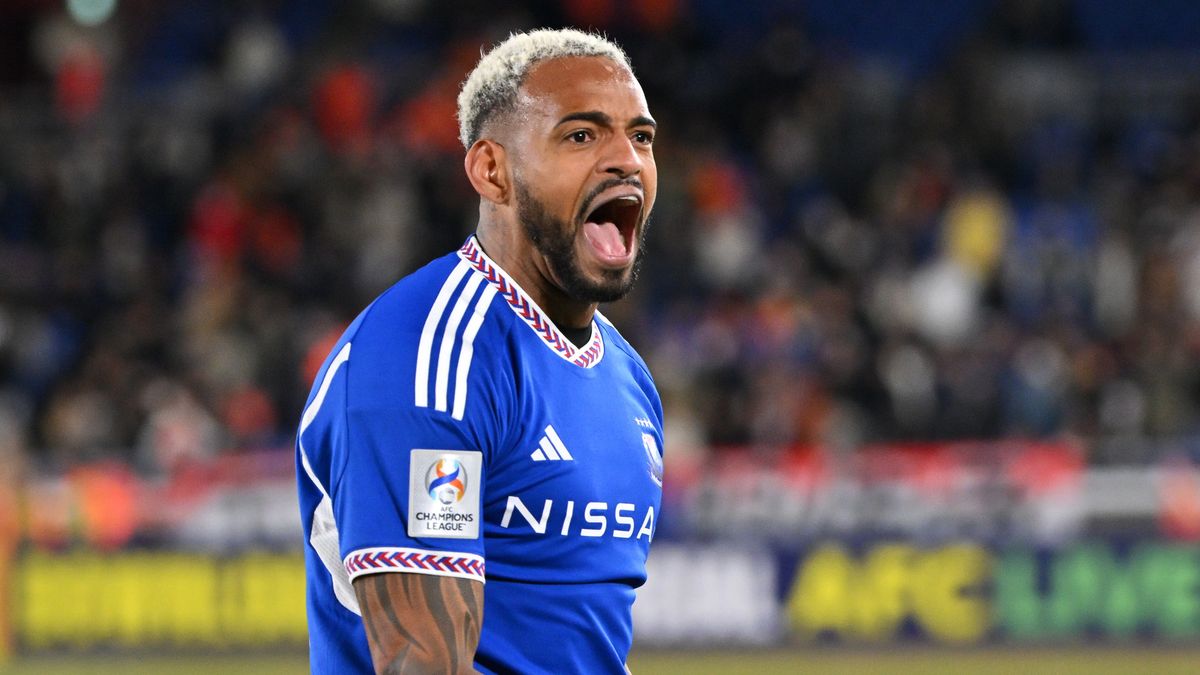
<point>443,493</point>
<point>446,480</point>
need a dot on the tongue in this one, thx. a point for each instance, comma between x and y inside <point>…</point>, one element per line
<point>606,238</point>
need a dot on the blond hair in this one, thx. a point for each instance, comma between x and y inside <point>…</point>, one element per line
<point>492,86</point>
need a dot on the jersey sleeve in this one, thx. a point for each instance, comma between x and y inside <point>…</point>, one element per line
<point>410,436</point>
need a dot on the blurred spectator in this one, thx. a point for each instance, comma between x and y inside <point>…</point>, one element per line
<point>177,429</point>
<point>964,230</point>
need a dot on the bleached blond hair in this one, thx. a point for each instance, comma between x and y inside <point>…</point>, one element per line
<point>492,86</point>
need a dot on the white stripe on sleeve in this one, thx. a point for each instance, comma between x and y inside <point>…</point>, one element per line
<point>449,337</point>
<point>468,350</point>
<point>425,347</point>
<point>324,533</point>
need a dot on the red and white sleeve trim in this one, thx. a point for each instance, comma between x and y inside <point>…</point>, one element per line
<point>441,563</point>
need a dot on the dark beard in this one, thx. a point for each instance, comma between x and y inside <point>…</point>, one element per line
<point>555,240</point>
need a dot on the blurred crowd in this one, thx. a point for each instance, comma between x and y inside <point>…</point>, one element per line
<point>990,230</point>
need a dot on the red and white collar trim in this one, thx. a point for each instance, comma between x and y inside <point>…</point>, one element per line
<point>586,357</point>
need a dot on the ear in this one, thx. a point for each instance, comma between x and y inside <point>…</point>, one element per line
<point>486,164</point>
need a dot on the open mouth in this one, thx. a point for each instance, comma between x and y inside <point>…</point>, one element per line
<point>609,227</point>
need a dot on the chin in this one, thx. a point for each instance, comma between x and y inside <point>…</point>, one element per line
<point>601,283</point>
<point>576,265</point>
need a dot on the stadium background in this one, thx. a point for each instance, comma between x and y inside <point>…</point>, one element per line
<point>922,296</point>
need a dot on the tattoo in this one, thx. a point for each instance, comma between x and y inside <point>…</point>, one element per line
<point>419,622</point>
<point>385,603</point>
<point>437,608</point>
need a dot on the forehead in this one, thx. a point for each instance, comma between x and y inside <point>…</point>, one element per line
<point>560,86</point>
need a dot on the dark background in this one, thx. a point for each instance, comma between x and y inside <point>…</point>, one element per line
<point>877,221</point>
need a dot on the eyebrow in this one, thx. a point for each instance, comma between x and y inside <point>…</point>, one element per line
<point>603,119</point>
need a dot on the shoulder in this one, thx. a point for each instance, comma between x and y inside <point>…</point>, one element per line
<point>404,307</point>
<point>431,333</point>
<point>420,303</point>
<point>615,342</point>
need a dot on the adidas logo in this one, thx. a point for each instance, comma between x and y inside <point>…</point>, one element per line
<point>551,448</point>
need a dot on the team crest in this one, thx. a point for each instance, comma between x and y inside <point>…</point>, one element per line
<point>653,458</point>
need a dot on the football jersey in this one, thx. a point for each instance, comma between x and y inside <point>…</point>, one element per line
<point>454,431</point>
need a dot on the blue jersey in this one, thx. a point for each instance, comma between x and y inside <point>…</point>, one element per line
<point>454,431</point>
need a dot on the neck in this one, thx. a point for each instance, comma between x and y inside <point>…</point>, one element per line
<point>508,247</point>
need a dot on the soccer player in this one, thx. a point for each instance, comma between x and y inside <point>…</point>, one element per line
<point>480,456</point>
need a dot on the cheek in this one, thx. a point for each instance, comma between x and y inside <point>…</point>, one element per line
<point>543,181</point>
<point>561,188</point>
<point>650,182</point>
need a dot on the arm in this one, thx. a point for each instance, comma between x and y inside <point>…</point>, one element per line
<point>420,623</point>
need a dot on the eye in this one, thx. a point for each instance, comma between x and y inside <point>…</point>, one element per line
<point>580,136</point>
<point>643,137</point>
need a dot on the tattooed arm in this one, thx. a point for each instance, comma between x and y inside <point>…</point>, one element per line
<point>420,623</point>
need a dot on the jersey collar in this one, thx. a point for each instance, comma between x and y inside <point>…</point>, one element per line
<point>586,356</point>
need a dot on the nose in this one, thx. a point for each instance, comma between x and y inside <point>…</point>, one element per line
<point>621,158</point>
